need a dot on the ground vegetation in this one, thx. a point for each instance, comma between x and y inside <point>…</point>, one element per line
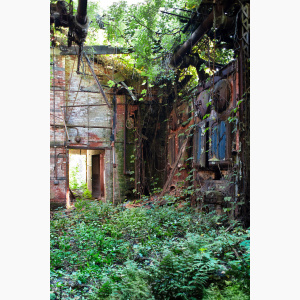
<point>101,251</point>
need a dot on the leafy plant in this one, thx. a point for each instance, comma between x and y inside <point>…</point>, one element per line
<point>105,252</point>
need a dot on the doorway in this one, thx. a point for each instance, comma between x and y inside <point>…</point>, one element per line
<point>87,173</point>
<point>96,173</point>
<point>77,170</point>
<point>96,191</point>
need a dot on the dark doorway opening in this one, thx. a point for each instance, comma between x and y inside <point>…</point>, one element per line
<point>98,175</point>
<point>96,190</point>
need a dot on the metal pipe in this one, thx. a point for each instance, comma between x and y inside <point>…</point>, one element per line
<point>82,105</point>
<point>198,34</point>
<point>88,147</point>
<point>79,91</point>
<point>76,130</point>
<point>65,126</point>
<point>82,126</point>
<point>62,157</point>
<point>95,77</point>
<point>81,11</point>
<point>125,137</point>
<point>88,116</point>
<point>54,141</point>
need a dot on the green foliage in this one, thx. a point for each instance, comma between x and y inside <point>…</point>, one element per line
<point>80,186</point>
<point>86,192</point>
<point>74,183</point>
<point>93,11</point>
<point>129,282</point>
<point>153,37</point>
<point>110,83</point>
<point>101,251</point>
<point>149,32</point>
<point>181,275</point>
<point>232,291</point>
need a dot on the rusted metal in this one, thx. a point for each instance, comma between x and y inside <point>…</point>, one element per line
<point>78,25</point>
<point>82,11</point>
<point>82,105</point>
<point>85,147</point>
<point>79,58</point>
<point>125,138</point>
<point>202,103</point>
<point>77,137</point>
<point>65,126</point>
<point>59,14</point>
<point>88,120</point>
<point>58,178</point>
<point>96,50</point>
<point>222,95</point>
<point>54,141</point>
<point>82,126</point>
<point>80,91</point>
<point>174,167</point>
<point>221,74</point>
<point>95,77</point>
<point>244,111</point>
<point>199,33</point>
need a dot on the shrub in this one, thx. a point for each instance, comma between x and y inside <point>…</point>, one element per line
<point>142,253</point>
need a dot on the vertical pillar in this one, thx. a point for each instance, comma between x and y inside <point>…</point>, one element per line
<point>108,177</point>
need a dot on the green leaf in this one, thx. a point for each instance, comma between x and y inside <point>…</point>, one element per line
<point>110,83</point>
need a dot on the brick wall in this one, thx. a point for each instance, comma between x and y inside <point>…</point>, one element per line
<point>58,168</point>
<point>78,101</point>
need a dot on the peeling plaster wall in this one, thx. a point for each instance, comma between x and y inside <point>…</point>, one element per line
<point>58,170</point>
<point>86,115</point>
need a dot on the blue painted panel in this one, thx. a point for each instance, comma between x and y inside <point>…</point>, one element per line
<point>199,145</point>
<point>222,141</point>
<point>214,141</point>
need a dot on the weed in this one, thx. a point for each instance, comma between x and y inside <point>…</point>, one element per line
<point>101,251</point>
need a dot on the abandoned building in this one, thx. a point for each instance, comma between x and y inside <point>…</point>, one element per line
<point>131,144</point>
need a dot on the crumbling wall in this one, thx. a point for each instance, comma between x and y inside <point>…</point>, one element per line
<point>81,109</point>
<point>87,114</point>
<point>216,143</point>
<point>179,121</point>
<point>213,151</point>
<point>58,157</point>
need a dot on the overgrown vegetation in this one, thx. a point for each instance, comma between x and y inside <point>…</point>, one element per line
<point>99,251</point>
<point>77,185</point>
<point>152,31</point>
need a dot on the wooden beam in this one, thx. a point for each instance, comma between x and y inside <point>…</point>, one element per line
<point>174,167</point>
